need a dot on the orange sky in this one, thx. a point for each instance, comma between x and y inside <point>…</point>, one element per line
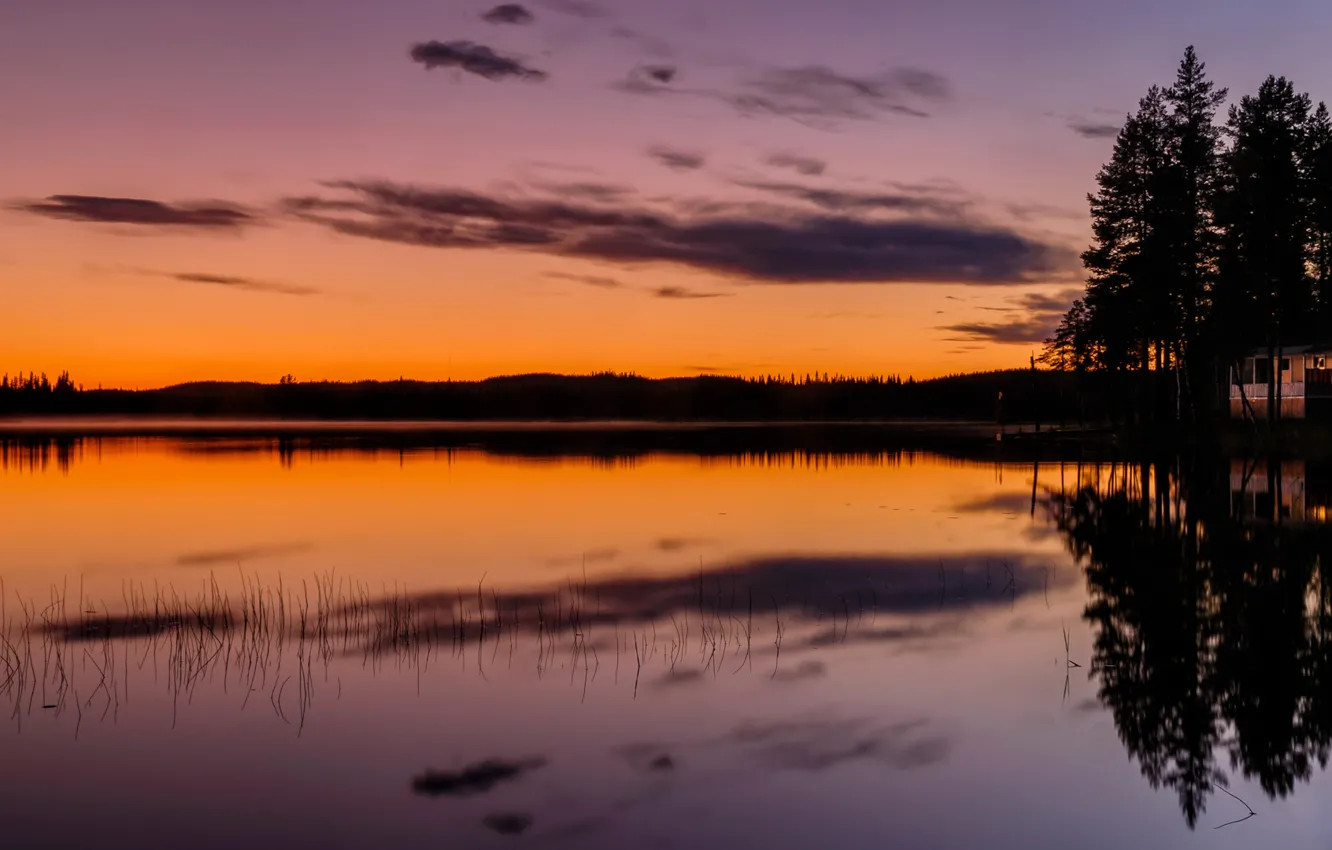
<point>962,140</point>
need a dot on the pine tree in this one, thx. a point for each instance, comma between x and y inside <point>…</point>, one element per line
<point>1195,177</point>
<point>1318,173</point>
<point>1126,302</point>
<point>1265,216</point>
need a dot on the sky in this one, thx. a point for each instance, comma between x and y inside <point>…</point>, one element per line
<point>339,189</point>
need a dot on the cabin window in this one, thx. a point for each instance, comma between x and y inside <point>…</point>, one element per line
<point>1262,370</point>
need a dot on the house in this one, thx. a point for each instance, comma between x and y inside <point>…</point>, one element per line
<point>1305,383</point>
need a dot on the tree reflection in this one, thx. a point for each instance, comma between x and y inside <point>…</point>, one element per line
<point>1211,618</point>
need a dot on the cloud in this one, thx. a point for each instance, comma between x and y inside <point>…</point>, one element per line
<point>474,59</point>
<point>599,193</point>
<point>509,13</point>
<point>803,671</point>
<point>234,556</point>
<point>647,757</point>
<point>783,246</point>
<point>473,779</point>
<point>588,279</point>
<point>577,8</point>
<point>919,200</point>
<point>210,215</point>
<point>677,544</point>
<point>649,79</point>
<point>812,94</point>
<point>819,92</point>
<point>1041,314</point>
<point>816,744</point>
<point>515,823</point>
<point>680,293</point>
<point>677,678</point>
<point>806,165</point>
<point>1094,129</point>
<point>243,283</point>
<point>676,159</point>
<point>804,590</point>
<point>996,503</point>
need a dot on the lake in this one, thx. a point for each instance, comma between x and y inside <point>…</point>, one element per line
<point>214,640</point>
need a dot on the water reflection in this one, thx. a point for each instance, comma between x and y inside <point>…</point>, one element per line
<point>1211,615</point>
<point>499,645</point>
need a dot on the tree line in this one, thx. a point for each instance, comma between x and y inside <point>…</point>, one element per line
<point>1210,240</point>
<point>1027,394</point>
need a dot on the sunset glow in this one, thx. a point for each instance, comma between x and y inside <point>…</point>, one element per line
<point>964,158</point>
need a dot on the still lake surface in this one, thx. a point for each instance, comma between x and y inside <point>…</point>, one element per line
<point>220,641</point>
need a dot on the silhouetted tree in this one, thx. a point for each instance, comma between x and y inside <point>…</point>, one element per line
<point>1211,626</point>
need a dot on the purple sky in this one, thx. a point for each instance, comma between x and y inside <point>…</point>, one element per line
<point>970,123</point>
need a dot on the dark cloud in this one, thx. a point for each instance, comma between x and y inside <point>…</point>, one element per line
<point>474,59</point>
<point>816,744</point>
<point>678,678</point>
<point>931,202</point>
<point>1094,129</point>
<point>1032,330</point>
<point>803,671</point>
<point>577,8</point>
<point>812,94</point>
<point>587,190</point>
<point>515,823</point>
<point>509,13</point>
<point>207,215</point>
<point>915,635</point>
<point>819,92</point>
<point>680,293</point>
<point>599,281</point>
<point>995,503</point>
<point>929,85</point>
<point>243,283</point>
<point>647,757</point>
<point>649,79</point>
<point>473,779</point>
<point>803,590</point>
<point>806,165</point>
<point>778,246</point>
<point>235,556</point>
<point>676,159</point>
<point>1037,317</point>
<point>677,544</point>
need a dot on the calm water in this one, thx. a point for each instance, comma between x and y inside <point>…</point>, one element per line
<point>220,642</point>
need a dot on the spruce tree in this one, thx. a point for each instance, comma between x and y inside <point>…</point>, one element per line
<point>1189,202</point>
<point>1265,217</point>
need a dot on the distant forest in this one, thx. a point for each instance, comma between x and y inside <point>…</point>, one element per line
<point>1210,240</point>
<point>1011,396</point>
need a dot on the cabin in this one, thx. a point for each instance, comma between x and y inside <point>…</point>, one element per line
<point>1305,383</point>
